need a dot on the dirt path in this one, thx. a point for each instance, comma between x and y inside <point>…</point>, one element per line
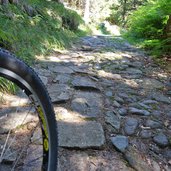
<point>112,104</point>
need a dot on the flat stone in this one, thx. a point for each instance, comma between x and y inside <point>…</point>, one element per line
<point>134,71</point>
<point>109,75</point>
<point>153,124</point>
<point>156,113</point>
<point>34,153</point>
<point>144,106</point>
<point>161,140</point>
<point>147,102</point>
<point>130,126</point>
<point>167,154</point>
<point>139,161</point>
<point>78,69</point>
<point>120,142</point>
<point>169,92</point>
<point>44,79</point>
<point>43,72</point>
<point>136,64</point>
<point>122,111</point>
<point>85,83</point>
<point>59,92</point>
<point>168,114</point>
<point>87,104</point>
<point>138,111</point>
<point>113,120</point>
<point>151,84</point>
<point>116,104</point>
<point>146,134</point>
<point>61,69</point>
<point>119,99</point>
<point>161,98</point>
<point>96,160</point>
<point>81,135</point>
<point>109,94</point>
<point>62,78</point>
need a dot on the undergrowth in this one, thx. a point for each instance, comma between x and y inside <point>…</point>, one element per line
<point>50,27</point>
<point>146,27</point>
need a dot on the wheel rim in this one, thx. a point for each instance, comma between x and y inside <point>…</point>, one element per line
<point>32,107</point>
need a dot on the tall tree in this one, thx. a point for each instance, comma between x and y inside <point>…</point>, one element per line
<point>87,11</point>
<point>167,31</point>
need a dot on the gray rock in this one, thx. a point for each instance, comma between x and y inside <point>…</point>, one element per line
<point>161,140</point>
<point>85,83</point>
<point>59,92</point>
<point>144,106</point>
<point>120,142</point>
<point>134,71</point>
<point>156,113</point>
<point>167,154</point>
<point>135,64</point>
<point>147,102</point>
<point>81,135</point>
<point>146,134</point>
<point>138,160</point>
<point>139,112</point>
<point>77,69</point>
<point>113,120</point>
<point>44,79</point>
<point>87,104</point>
<point>62,78</point>
<point>116,104</point>
<point>34,153</point>
<point>122,111</point>
<point>130,126</point>
<point>119,99</point>
<point>169,92</point>
<point>161,98</point>
<point>61,69</point>
<point>168,114</point>
<point>153,124</point>
<point>123,95</point>
<point>151,84</point>
<point>109,94</point>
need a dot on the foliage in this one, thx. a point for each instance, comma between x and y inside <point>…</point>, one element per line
<point>121,9</point>
<point>148,24</point>
<point>7,86</point>
<point>28,36</point>
<point>98,10</point>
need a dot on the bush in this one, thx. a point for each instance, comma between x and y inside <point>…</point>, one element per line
<point>148,24</point>
<point>30,35</point>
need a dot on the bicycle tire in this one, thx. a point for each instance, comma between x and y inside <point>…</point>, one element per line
<point>17,72</point>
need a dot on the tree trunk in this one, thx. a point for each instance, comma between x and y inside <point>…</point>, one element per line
<point>124,12</point>
<point>167,32</point>
<point>87,11</point>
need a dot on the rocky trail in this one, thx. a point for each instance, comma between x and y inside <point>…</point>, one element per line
<point>112,104</point>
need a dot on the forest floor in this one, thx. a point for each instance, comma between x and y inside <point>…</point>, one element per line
<point>113,106</point>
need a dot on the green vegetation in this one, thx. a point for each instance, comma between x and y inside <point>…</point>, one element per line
<point>147,27</point>
<point>7,86</point>
<point>35,27</point>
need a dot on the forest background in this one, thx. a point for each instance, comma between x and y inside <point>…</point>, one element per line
<point>31,28</point>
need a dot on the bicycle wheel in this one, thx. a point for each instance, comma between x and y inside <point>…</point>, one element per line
<point>28,132</point>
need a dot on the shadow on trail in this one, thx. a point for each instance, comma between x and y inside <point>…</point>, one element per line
<point>95,79</point>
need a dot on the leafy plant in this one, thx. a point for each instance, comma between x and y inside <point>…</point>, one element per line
<point>30,36</point>
<point>147,26</point>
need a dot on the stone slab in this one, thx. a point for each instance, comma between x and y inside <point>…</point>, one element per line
<point>81,135</point>
<point>85,83</point>
<point>59,92</point>
<point>87,104</point>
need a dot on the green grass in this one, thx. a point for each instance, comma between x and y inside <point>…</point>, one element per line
<point>29,37</point>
